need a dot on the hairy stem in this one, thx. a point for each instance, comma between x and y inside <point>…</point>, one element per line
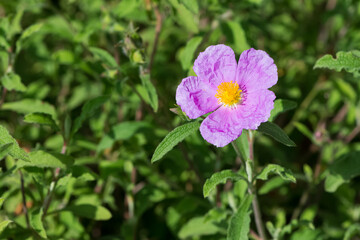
<point>252,188</point>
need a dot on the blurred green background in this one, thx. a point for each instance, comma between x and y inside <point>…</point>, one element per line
<point>106,72</point>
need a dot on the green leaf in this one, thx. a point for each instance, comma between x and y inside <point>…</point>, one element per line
<point>41,118</point>
<point>5,149</point>
<point>26,34</point>
<point>191,5</point>
<point>94,212</point>
<point>26,106</point>
<point>150,91</point>
<point>220,177</point>
<point>285,174</point>
<point>36,222</point>
<point>185,17</point>
<point>44,159</point>
<point>276,132</point>
<point>121,131</point>
<point>239,226</point>
<point>280,106</point>
<point>187,54</point>
<point>87,111</point>
<point>343,170</point>
<point>1,201</point>
<point>243,145</point>
<point>104,57</point>
<point>235,35</point>
<point>349,61</point>
<point>197,226</point>
<point>4,224</point>
<point>173,138</point>
<point>352,231</point>
<point>345,89</point>
<point>15,151</point>
<point>304,130</point>
<point>12,81</point>
<point>271,184</point>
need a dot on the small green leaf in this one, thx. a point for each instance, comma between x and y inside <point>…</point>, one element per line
<point>197,226</point>
<point>239,226</point>
<point>41,118</point>
<point>271,184</point>
<point>349,61</point>
<point>26,106</point>
<point>150,90</point>
<point>98,213</point>
<point>276,132</point>
<point>173,138</point>
<point>15,151</point>
<point>26,34</point>
<point>4,224</point>
<point>304,130</point>
<point>87,111</point>
<point>36,222</point>
<point>12,81</point>
<point>346,89</point>
<point>44,159</point>
<point>280,106</point>
<point>285,174</point>
<point>220,177</point>
<point>104,57</point>
<point>5,149</point>
<point>343,170</point>
<point>187,54</point>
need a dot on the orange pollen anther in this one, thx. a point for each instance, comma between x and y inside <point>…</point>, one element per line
<point>228,93</point>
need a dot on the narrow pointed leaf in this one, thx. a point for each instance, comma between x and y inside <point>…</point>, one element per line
<point>36,222</point>
<point>280,106</point>
<point>4,224</point>
<point>41,118</point>
<point>44,159</point>
<point>276,132</point>
<point>173,138</point>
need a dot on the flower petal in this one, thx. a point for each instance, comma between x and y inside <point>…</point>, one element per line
<point>221,127</point>
<point>256,70</point>
<point>195,100</point>
<point>215,65</point>
<point>255,109</point>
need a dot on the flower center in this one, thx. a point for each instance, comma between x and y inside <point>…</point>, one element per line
<point>228,93</point>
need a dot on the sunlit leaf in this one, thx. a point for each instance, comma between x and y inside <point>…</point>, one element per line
<point>280,106</point>
<point>15,151</point>
<point>41,118</point>
<point>240,222</point>
<point>12,81</point>
<point>44,159</point>
<point>187,54</point>
<point>98,213</point>
<point>349,61</point>
<point>285,174</point>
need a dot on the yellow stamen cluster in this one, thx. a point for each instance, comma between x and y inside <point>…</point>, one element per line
<point>228,93</point>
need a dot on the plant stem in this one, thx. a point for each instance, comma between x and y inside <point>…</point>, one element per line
<point>252,188</point>
<point>24,199</point>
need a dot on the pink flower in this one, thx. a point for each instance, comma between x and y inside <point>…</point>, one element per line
<point>237,93</point>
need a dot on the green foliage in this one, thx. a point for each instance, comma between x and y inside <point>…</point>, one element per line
<point>13,150</point>
<point>12,81</point>
<point>44,159</point>
<point>285,174</point>
<point>280,106</point>
<point>90,211</point>
<point>36,222</point>
<point>187,55</point>
<point>173,138</point>
<point>42,119</point>
<point>198,227</point>
<point>218,178</point>
<point>240,222</point>
<point>349,61</point>
<point>4,224</point>
<point>276,132</point>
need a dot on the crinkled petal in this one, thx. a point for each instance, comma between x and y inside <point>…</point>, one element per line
<point>255,109</point>
<point>256,70</point>
<point>221,127</point>
<point>215,65</point>
<point>195,100</point>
